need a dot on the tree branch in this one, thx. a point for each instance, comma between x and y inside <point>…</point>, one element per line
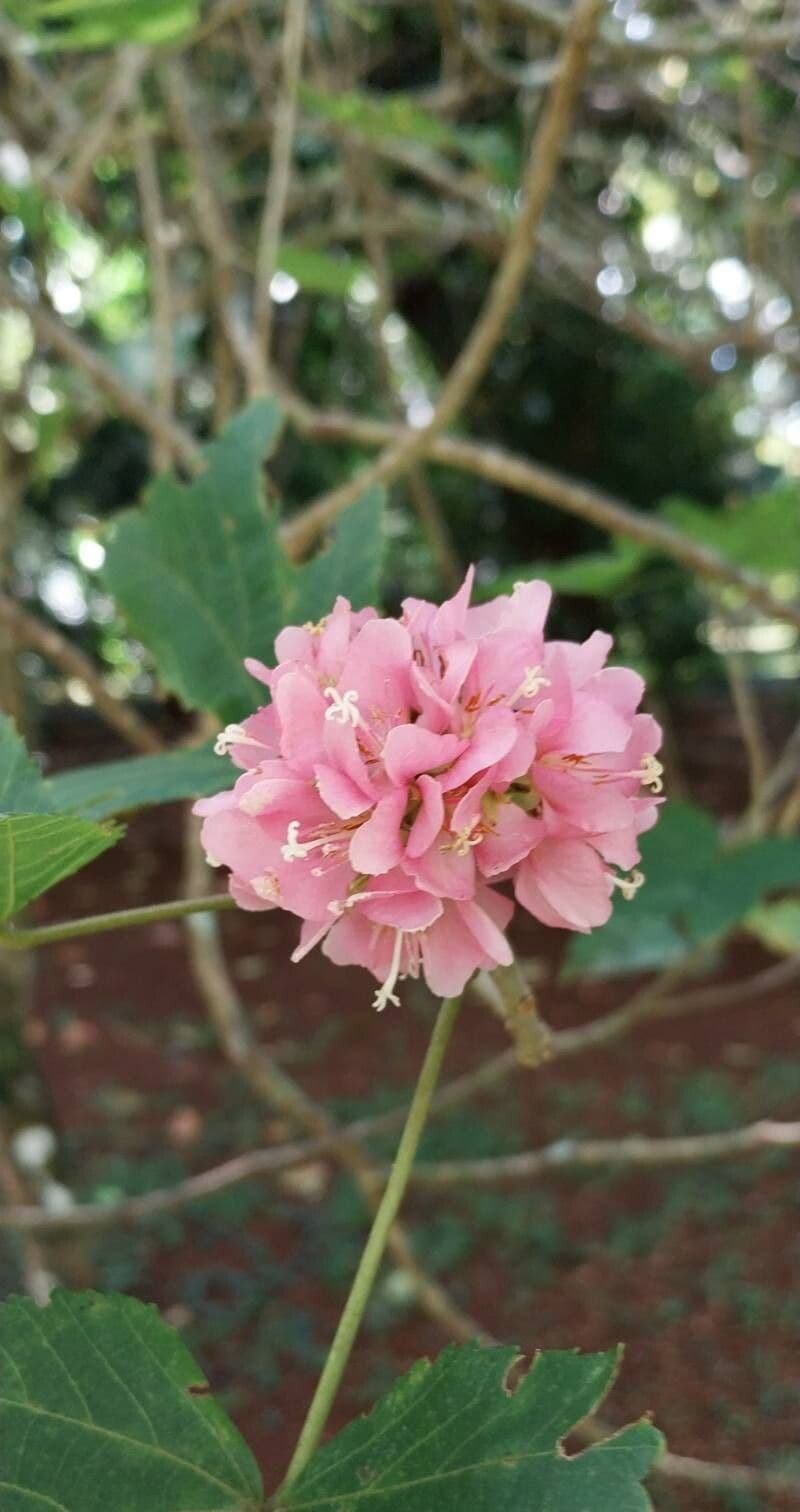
<point>280,169</point>
<point>634,1150</point>
<point>128,401</point>
<point>539,482</point>
<point>470,365</point>
<point>33,632</point>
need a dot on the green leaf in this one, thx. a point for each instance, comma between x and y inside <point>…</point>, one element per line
<point>22,787</point>
<point>762,531</point>
<point>202,578</point>
<point>350,565</point>
<point>597,574</point>
<point>116,787</point>
<point>199,572</point>
<point>321,272</point>
<point>102,1406</point>
<point>777,925</point>
<point>453,1437</point>
<point>695,890</point>
<point>38,850</point>
<point>394,116</point>
<point>70,25</point>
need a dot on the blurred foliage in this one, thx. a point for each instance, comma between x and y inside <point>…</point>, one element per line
<point>651,354</point>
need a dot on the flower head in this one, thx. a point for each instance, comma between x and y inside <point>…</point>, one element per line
<point>406,768</point>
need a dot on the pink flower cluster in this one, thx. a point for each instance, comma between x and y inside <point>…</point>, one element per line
<point>406,767</point>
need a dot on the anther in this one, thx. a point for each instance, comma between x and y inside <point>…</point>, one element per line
<point>651,773</point>
<point>343,707</point>
<point>293,850</point>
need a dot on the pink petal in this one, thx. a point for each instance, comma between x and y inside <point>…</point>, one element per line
<point>406,910</point>
<point>444,872</point>
<point>377,845</point>
<point>512,836</point>
<point>449,620</point>
<point>429,819</point>
<point>565,881</point>
<point>340,793</point>
<point>409,750</point>
<point>301,711</point>
<point>450,955</point>
<point>491,940</point>
<point>495,734</point>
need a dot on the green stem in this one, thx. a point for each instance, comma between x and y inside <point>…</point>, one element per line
<point>334,1368</point>
<point>126,918</point>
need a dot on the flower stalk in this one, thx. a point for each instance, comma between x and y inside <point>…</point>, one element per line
<point>364,1279</point>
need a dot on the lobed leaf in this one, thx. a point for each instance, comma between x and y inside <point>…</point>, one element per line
<point>102,1406</point>
<point>453,1436</point>
<point>38,850</point>
<point>202,578</point>
<point>23,789</point>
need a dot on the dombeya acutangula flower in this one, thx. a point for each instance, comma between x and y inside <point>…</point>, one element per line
<point>411,777</point>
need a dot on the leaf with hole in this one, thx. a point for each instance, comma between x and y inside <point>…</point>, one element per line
<point>102,1406</point>
<point>453,1436</point>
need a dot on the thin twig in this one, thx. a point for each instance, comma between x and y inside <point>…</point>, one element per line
<point>33,632</point>
<point>272,1162</point>
<point>154,227</point>
<point>635,1150</point>
<point>37,1278</point>
<point>279,178</point>
<point>543,483</point>
<point>471,363</point>
<point>213,227</point>
<point>129,65</point>
<point>127,400</point>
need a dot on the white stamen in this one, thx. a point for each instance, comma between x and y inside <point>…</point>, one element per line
<point>629,886</point>
<point>343,707</point>
<point>212,860</point>
<point>267,887</point>
<point>464,840</point>
<point>651,773</point>
<point>386,993</point>
<point>293,850</point>
<point>233,734</point>
<point>532,683</point>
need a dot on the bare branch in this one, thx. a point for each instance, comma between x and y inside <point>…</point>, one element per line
<point>471,363</point>
<point>280,169</point>
<point>587,1154</point>
<point>154,227</point>
<point>30,631</point>
<point>544,483</point>
<point>273,1086</point>
<point>214,230</point>
<point>271,1162</point>
<point>129,65</point>
<point>128,401</point>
